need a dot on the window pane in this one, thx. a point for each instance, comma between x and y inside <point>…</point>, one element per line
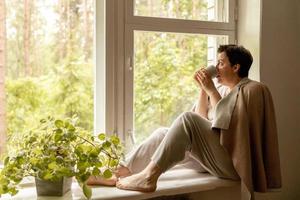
<point>204,10</point>
<point>164,65</point>
<point>49,69</point>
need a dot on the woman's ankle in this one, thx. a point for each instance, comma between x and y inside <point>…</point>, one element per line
<point>152,171</point>
<point>122,171</point>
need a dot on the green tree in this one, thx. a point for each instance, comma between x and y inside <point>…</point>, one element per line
<point>26,102</point>
<point>73,77</point>
<point>72,93</point>
<point>2,74</point>
<point>61,82</point>
<point>164,65</point>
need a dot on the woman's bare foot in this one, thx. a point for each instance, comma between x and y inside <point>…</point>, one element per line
<point>121,171</point>
<point>137,182</point>
<point>144,181</point>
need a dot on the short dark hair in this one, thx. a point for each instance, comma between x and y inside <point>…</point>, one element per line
<point>238,55</point>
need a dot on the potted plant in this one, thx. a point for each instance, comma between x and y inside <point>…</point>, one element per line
<point>56,151</point>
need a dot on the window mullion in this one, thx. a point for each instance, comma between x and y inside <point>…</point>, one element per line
<point>179,23</point>
<point>115,77</point>
<point>146,27</point>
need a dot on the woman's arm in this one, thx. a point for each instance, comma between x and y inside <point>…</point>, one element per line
<point>207,89</point>
<point>214,97</point>
<point>202,104</point>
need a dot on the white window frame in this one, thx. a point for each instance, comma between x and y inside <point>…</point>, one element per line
<point>120,26</point>
<point>100,69</point>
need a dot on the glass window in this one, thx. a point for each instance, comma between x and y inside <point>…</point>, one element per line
<point>164,64</point>
<point>154,48</point>
<point>49,67</point>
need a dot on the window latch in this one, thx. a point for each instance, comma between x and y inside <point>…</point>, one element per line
<point>130,64</point>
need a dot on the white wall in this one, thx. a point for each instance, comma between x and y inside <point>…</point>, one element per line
<point>249,32</point>
<point>271,30</point>
<point>280,70</point>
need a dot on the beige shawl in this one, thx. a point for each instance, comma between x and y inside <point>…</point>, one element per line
<point>246,119</point>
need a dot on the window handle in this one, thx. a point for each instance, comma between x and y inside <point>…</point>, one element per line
<point>130,63</point>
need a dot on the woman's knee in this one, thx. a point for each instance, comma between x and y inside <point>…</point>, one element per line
<point>188,115</point>
<point>195,122</point>
<point>160,133</point>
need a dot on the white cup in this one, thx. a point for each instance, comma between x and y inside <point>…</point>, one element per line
<point>211,70</point>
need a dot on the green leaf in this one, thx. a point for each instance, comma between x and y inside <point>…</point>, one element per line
<point>107,173</point>
<point>106,144</point>
<point>96,171</point>
<point>93,138</point>
<point>4,189</point>
<point>78,150</point>
<point>17,179</point>
<point>101,136</point>
<point>53,166</point>
<point>87,191</point>
<point>20,160</point>
<point>32,139</point>
<point>71,128</point>
<point>115,140</point>
<point>84,177</point>
<point>47,176</point>
<point>98,164</point>
<point>113,163</point>
<point>67,124</point>
<point>65,171</point>
<point>59,123</point>
<point>6,160</point>
<point>37,152</point>
<point>13,191</point>
<point>58,131</point>
<point>57,137</point>
<point>33,160</point>
<point>59,159</point>
<point>82,166</point>
<point>95,152</point>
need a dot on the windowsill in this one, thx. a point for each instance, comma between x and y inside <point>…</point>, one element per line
<point>173,182</point>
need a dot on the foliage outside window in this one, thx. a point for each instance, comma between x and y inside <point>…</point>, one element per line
<point>204,10</point>
<point>165,61</point>
<point>163,87</point>
<point>49,65</point>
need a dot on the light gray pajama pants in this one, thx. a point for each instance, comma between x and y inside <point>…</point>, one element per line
<point>189,140</point>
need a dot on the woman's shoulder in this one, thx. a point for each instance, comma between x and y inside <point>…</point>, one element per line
<point>255,86</point>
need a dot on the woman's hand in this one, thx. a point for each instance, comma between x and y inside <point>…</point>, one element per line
<point>204,81</point>
<point>206,84</point>
<point>208,89</point>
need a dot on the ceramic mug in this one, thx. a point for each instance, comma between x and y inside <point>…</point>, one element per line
<point>211,70</point>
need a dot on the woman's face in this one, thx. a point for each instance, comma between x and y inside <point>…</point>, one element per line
<point>225,72</point>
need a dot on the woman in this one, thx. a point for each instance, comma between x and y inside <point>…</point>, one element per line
<point>201,132</point>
